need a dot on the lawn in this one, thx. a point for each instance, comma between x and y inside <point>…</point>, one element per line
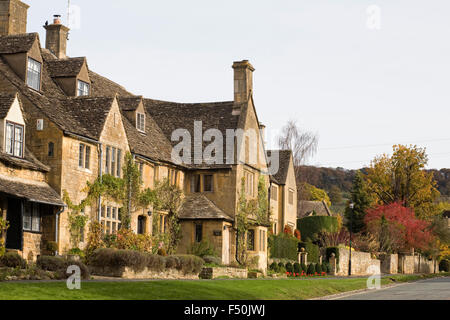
<point>282,289</point>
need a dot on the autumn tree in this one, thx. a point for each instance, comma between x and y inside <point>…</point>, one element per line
<point>311,193</point>
<point>362,201</point>
<point>402,178</point>
<point>398,229</point>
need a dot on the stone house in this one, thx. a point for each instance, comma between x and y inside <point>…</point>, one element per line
<point>80,125</point>
<point>283,194</point>
<point>309,208</point>
<point>27,202</point>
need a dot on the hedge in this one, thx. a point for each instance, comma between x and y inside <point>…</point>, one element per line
<point>283,246</point>
<point>60,266</point>
<point>138,261</point>
<point>310,226</point>
<point>444,265</point>
<point>312,250</point>
<point>12,260</point>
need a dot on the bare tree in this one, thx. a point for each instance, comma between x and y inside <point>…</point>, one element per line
<point>302,143</point>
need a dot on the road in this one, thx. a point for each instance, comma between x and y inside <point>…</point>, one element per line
<point>432,289</point>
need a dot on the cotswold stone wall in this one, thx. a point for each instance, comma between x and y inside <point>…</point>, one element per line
<point>389,263</point>
<point>128,273</point>
<point>423,265</point>
<point>31,245</point>
<point>362,263</point>
<point>406,264</point>
<point>214,273</point>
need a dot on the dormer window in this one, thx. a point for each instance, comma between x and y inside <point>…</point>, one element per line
<point>34,74</point>
<point>14,139</point>
<point>83,88</point>
<point>140,121</point>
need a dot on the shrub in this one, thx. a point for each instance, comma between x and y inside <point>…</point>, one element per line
<point>13,260</point>
<point>77,252</point>
<point>289,267</point>
<point>274,267</point>
<point>51,246</point>
<point>190,264</point>
<point>297,268</point>
<point>304,268</point>
<point>444,265</point>
<point>311,269</point>
<point>312,250</point>
<point>311,226</point>
<point>107,257</point>
<point>281,267</point>
<point>158,263</point>
<point>318,268</point>
<point>297,234</point>
<point>203,248</point>
<point>212,260</point>
<point>162,252</point>
<point>288,230</point>
<point>283,246</point>
<point>60,265</point>
<point>326,267</point>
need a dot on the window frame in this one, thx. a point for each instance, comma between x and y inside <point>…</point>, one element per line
<point>140,121</point>
<point>291,195</point>
<point>198,234</point>
<point>205,176</point>
<point>252,242</point>
<point>82,89</point>
<point>31,71</point>
<point>12,139</point>
<point>35,216</point>
<point>84,156</point>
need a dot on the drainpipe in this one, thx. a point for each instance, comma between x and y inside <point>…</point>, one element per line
<point>100,169</point>
<point>57,226</point>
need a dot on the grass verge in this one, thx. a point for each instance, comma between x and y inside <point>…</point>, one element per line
<point>283,289</point>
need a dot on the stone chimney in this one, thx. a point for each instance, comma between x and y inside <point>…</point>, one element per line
<point>56,37</point>
<point>243,81</point>
<point>13,17</point>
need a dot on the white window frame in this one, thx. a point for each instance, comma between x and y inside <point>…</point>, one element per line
<point>140,121</point>
<point>34,70</point>
<point>12,142</point>
<point>83,88</point>
<point>32,218</point>
<point>84,156</point>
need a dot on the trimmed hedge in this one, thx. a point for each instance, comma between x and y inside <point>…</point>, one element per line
<point>311,269</point>
<point>283,246</point>
<point>12,260</point>
<point>444,265</point>
<point>310,226</point>
<point>60,265</point>
<point>138,261</point>
<point>312,250</point>
<point>289,267</point>
<point>297,268</point>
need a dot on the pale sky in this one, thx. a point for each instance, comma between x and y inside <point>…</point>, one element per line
<point>362,90</point>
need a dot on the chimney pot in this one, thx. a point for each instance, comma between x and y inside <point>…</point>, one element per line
<point>57,19</point>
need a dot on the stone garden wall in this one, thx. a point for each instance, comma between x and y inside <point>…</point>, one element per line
<point>423,265</point>
<point>389,263</point>
<point>362,263</point>
<point>128,273</point>
<point>214,273</point>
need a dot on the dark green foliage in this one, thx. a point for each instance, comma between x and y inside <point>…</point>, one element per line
<point>318,268</point>
<point>274,267</point>
<point>12,260</point>
<point>283,246</point>
<point>361,200</point>
<point>326,267</point>
<point>60,266</point>
<point>331,250</point>
<point>311,269</point>
<point>202,249</point>
<point>289,267</point>
<point>138,261</point>
<point>297,268</point>
<point>304,268</point>
<point>311,226</point>
<point>444,265</point>
<point>312,250</point>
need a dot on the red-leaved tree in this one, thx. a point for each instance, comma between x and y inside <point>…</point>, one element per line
<point>397,228</point>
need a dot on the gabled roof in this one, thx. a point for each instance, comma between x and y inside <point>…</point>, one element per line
<point>130,103</point>
<point>70,67</point>
<point>6,101</point>
<point>198,206</point>
<point>171,116</point>
<point>89,112</point>
<point>28,162</point>
<point>17,43</point>
<point>284,161</point>
<point>308,208</point>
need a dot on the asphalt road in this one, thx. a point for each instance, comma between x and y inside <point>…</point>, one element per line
<point>432,289</point>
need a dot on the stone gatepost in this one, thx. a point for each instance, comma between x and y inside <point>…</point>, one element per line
<point>333,264</point>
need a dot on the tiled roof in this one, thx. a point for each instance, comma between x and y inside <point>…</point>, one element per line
<point>171,116</point>
<point>30,190</point>
<point>130,103</point>
<point>284,161</point>
<point>89,112</point>
<point>17,43</point>
<point>103,87</point>
<point>198,206</point>
<point>70,67</point>
<point>28,162</point>
<point>6,101</point>
<point>307,208</point>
